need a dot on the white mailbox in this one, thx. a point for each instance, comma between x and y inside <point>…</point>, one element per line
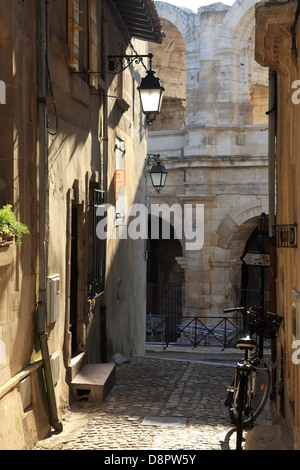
<point>53,295</point>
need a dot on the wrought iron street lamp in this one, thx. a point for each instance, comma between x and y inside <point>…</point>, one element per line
<point>150,90</point>
<point>158,172</point>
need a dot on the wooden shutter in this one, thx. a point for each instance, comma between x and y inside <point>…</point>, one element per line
<point>74,29</point>
<point>93,59</point>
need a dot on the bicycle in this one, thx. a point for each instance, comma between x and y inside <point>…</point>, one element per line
<point>250,389</point>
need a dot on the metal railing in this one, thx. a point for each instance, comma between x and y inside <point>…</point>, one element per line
<point>194,331</point>
<point>285,235</point>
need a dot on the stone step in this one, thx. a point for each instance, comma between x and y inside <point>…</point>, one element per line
<point>93,382</point>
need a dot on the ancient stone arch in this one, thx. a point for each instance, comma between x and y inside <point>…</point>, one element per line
<point>183,19</point>
<point>170,65</point>
<point>237,221</point>
<point>232,235</point>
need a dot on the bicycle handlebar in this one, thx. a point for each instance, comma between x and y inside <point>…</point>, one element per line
<point>235,309</point>
<point>251,311</point>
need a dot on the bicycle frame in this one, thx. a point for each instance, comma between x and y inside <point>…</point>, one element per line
<point>249,393</point>
<point>245,368</point>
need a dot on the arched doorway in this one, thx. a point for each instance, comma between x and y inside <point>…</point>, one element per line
<point>165,280</point>
<point>255,283</point>
<point>241,241</point>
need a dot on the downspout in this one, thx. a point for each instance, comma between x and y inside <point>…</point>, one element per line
<point>42,6</point>
<point>105,179</point>
<point>271,146</point>
<point>272,211</point>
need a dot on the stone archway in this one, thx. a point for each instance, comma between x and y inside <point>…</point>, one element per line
<point>232,235</point>
<point>170,65</point>
<point>165,280</point>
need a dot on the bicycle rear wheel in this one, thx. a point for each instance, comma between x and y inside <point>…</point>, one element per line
<point>259,383</point>
<point>260,390</point>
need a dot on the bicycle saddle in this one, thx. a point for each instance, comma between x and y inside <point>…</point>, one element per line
<point>246,343</point>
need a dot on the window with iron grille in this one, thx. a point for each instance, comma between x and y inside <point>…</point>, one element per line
<point>96,281</point>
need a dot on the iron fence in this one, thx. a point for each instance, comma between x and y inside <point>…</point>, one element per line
<point>194,331</point>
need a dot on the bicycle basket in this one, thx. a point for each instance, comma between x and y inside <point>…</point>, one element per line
<point>262,323</point>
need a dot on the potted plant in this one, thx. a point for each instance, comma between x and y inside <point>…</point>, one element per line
<point>10,228</point>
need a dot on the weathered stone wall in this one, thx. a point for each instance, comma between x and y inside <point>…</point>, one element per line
<point>80,156</point>
<point>18,163</point>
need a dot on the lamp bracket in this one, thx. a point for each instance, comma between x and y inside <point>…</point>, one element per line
<point>153,156</point>
<point>124,61</point>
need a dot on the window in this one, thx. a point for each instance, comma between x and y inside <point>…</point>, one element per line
<point>83,39</point>
<point>74,29</point>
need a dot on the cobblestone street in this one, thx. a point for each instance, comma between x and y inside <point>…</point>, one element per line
<point>155,387</point>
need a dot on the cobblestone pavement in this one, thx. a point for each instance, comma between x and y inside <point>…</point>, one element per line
<point>155,387</point>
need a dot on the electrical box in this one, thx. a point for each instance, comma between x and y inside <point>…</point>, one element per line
<point>55,367</point>
<point>25,392</point>
<point>53,297</point>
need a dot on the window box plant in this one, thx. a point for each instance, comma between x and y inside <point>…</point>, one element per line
<point>10,229</point>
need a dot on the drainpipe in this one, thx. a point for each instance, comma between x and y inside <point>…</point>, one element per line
<point>104,182</point>
<point>271,144</point>
<point>272,220</point>
<point>42,6</point>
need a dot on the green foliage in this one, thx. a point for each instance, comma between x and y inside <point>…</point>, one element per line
<point>9,226</point>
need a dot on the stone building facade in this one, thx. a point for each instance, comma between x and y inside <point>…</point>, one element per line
<point>67,127</point>
<point>212,138</point>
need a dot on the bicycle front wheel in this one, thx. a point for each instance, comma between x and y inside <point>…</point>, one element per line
<point>240,410</point>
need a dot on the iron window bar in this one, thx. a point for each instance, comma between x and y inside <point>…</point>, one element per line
<point>98,262</point>
<point>285,235</point>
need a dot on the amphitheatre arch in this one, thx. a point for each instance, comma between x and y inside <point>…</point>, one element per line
<point>218,156</point>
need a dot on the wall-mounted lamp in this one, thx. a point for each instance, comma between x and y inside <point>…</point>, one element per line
<point>158,172</point>
<point>150,89</point>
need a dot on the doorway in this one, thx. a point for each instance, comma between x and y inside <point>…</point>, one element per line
<point>256,278</point>
<point>165,279</point>
<point>74,281</point>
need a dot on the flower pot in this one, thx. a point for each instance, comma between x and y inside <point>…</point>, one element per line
<point>6,240</point>
<point>6,254</point>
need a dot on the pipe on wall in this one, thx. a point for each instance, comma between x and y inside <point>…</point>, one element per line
<point>271,145</point>
<point>42,14</point>
<point>272,209</point>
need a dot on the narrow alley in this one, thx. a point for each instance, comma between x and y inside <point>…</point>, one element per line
<point>180,386</point>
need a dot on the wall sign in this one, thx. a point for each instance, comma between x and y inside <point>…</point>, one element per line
<point>2,92</point>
